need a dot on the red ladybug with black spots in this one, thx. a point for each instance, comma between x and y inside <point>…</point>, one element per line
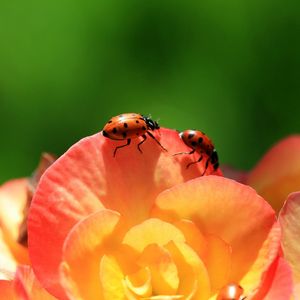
<point>128,126</point>
<point>202,144</point>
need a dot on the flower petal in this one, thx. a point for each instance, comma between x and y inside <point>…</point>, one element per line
<point>13,199</point>
<point>139,282</point>
<point>7,291</point>
<point>8,263</point>
<point>83,249</point>
<point>278,172</point>
<point>218,262</point>
<point>282,285</point>
<point>111,277</point>
<point>224,208</point>
<point>194,280</point>
<point>164,272</point>
<point>193,236</point>
<point>261,273</point>
<point>289,219</point>
<point>211,249</point>
<point>27,286</point>
<point>152,231</point>
<point>87,178</point>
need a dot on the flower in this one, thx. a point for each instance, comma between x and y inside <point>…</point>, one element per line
<point>145,227</point>
<point>276,175</point>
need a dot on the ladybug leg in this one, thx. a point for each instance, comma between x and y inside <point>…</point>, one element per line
<point>191,152</point>
<point>151,135</point>
<point>140,143</point>
<point>195,162</point>
<point>128,142</point>
<point>206,166</point>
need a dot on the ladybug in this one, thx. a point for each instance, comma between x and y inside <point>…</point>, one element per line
<point>129,126</point>
<point>231,291</point>
<point>201,143</point>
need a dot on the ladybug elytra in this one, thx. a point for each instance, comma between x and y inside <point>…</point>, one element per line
<point>201,143</point>
<point>128,126</point>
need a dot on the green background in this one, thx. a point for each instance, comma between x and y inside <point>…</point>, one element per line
<point>230,68</point>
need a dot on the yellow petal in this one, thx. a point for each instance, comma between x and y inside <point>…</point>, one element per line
<point>164,273</point>
<point>194,280</point>
<point>218,262</point>
<point>193,236</point>
<point>140,282</point>
<point>152,231</point>
<point>83,249</point>
<point>111,278</point>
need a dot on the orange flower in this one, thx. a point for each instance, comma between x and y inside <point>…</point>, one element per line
<point>137,227</point>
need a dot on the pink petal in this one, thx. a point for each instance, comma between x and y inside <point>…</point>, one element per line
<point>282,285</point>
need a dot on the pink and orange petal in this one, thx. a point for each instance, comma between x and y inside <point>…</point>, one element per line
<point>24,286</point>
<point>277,174</point>
<point>289,219</point>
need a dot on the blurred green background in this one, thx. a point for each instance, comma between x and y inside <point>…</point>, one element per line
<point>230,68</point>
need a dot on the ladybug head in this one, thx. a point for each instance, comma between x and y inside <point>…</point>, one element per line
<point>150,123</point>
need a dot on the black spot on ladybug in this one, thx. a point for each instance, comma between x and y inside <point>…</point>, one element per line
<point>125,125</point>
<point>124,134</point>
<point>110,121</point>
<point>200,140</point>
<point>194,143</point>
<point>104,133</point>
<point>144,128</point>
<point>137,121</point>
<point>141,119</point>
<point>190,135</point>
<point>114,130</point>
